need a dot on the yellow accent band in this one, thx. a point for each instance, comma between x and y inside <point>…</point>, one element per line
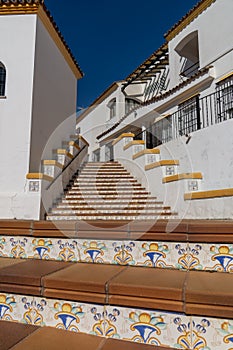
<point>227,192</point>
<point>189,98</point>
<point>225,77</point>
<point>38,9</point>
<point>52,162</point>
<point>81,138</point>
<point>39,176</point>
<point>188,19</point>
<point>121,137</point>
<point>74,144</point>
<point>146,151</point>
<point>132,143</point>
<point>183,176</point>
<point>162,163</point>
<point>63,151</point>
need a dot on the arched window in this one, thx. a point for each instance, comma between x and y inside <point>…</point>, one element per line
<point>2,79</point>
<point>112,108</point>
<point>188,49</point>
<point>130,104</point>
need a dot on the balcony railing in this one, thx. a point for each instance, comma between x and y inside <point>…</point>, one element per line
<point>196,114</point>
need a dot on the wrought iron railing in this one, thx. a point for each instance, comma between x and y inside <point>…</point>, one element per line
<point>195,114</point>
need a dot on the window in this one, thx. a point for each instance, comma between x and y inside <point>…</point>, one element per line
<point>189,116</point>
<point>130,104</point>
<point>188,50</point>
<point>225,100</point>
<point>2,79</point>
<point>112,108</point>
<point>96,155</point>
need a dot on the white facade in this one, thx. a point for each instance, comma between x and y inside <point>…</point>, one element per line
<point>40,93</point>
<point>188,115</point>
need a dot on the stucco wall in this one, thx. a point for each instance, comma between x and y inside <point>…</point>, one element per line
<point>17,44</point>
<point>214,28</point>
<point>54,97</point>
<point>98,121</point>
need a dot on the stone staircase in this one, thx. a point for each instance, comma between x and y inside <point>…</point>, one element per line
<point>107,191</point>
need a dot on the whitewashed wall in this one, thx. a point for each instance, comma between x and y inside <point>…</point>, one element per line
<point>17,43</point>
<point>214,28</point>
<point>98,121</point>
<point>54,98</point>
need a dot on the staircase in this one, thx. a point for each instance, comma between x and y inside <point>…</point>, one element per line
<point>118,270</point>
<point>107,191</point>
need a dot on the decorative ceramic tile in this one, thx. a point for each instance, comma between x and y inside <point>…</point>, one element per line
<point>212,334</point>
<point>14,247</point>
<point>189,256</point>
<point>99,251</point>
<point>16,308</point>
<point>143,326</point>
<point>154,254</point>
<point>219,257</point>
<point>73,316</point>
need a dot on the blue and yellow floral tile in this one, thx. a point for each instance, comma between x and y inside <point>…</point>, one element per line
<point>212,334</point>
<point>144,326</point>
<point>17,308</point>
<point>15,247</point>
<point>212,257</point>
<point>99,251</point>
<point>154,254</point>
<point>74,316</point>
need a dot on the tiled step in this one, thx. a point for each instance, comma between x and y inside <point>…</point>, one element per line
<point>163,307</point>
<point>107,192</point>
<point>111,206</point>
<point>123,196</point>
<point>118,211</point>
<point>189,292</point>
<point>137,201</point>
<point>107,186</point>
<point>108,217</point>
<point>18,336</point>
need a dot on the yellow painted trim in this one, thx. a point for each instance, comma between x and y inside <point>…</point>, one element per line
<point>162,163</point>
<point>63,151</point>
<point>132,143</point>
<point>146,151</point>
<point>183,176</point>
<point>163,116</point>
<point>52,162</point>
<point>188,19</point>
<point>74,144</point>
<point>52,31</point>
<point>227,192</point>
<point>19,9</point>
<point>189,98</point>
<point>225,77</point>
<point>81,138</point>
<point>39,176</point>
<point>119,138</point>
<point>38,9</point>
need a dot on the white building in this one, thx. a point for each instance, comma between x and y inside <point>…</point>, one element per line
<point>183,108</point>
<point>38,90</point>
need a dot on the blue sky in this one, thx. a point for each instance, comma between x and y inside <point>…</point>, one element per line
<point>110,39</point>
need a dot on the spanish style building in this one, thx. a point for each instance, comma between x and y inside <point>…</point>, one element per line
<point>116,226</point>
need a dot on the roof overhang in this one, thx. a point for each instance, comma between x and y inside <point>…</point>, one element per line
<point>37,7</point>
<point>150,67</point>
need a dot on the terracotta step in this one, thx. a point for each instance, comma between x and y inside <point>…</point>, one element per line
<point>26,337</point>
<point>189,292</point>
